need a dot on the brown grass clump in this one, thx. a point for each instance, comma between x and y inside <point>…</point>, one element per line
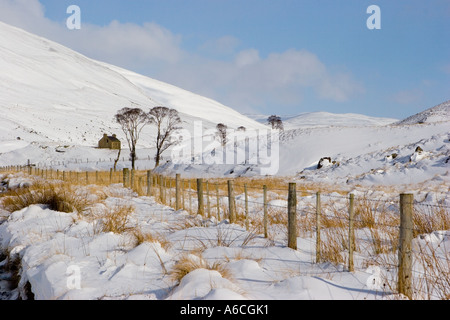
<point>190,262</point>
<point>429,218</point>
<point>434,282</point>
<point>142,237</point>
<point>57,196</point>
<point>117,218</point>
<point>336,242</point>
<point>381,223</point>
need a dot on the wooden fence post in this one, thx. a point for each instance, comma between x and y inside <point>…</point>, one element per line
<point>190,196</point>
<point>169,190</point>
<point>126,177</point>
<point>139,187</point>
<point>164,189</point>
<point>318,209</point>
<point>405,245</point>
<point>218,202</point>
<point>177,192</point>
<point>208,203</point>
<point>132,183</point>
<point>246,207</point>
<point>292,216</point>
<point>161,191</point>
<point>183,195</point>
<point>231,203</point>
<point>265,218</point>
<point>200,210</point>
<point>149,183</point>
<point>351,232</point>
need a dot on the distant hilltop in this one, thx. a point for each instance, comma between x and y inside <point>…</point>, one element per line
<point>438,113</point>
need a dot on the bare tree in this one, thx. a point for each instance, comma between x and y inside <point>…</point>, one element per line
<point>222,133</point>
<point>275,122</point>
<point>167,121</point>
<point>117,159</point>
<point>132,121</point>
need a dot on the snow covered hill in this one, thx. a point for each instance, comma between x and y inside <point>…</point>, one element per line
<point>326,119</point>
<point>50,93</point>
<point>379,154</point>
<point>55,104</point>
<point>439,113</point>
<point>356,153</point>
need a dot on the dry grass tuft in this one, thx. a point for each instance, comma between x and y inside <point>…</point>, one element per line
<point>142,237</point>
<point>57,196</point>
<point>434,282</point>
<point>117,218</point>
<point>190,262</point>
<point>430,218</point>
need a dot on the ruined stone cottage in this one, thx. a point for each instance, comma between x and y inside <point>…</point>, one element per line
<point>109,142</point>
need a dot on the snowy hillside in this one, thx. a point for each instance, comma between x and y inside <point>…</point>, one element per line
<point>439,113</point>
<point>50,93</point>
<point>380,155</point>
<point>326,119</point>
<point>356,152</point>
<point>56,104</point>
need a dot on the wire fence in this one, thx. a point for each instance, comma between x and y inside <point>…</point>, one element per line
<point>354,231</point>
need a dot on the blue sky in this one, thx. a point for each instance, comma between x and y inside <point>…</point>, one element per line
<point>273,57</point>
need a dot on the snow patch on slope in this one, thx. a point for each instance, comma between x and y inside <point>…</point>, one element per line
<point>438,113</point>
<point>326,119</point>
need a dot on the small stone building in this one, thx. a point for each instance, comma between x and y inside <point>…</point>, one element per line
<point>109,142</point>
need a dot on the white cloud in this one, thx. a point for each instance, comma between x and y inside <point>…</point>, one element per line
<point>249,81</point>
<point>26,14</point>
<point>127,44</point>
<point>223,46</point>
<point>247,57</point>
<point>339,87</point>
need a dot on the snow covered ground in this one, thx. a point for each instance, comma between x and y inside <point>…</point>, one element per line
<point>56,247</point>
<point>325,119</point>
<point>361,155</point>
<point>71,256</point>
<point>69,103</point>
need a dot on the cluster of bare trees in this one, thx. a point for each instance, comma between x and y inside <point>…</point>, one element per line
<point>275,122</point>
<point>133,120</point>
<point>167,121</point>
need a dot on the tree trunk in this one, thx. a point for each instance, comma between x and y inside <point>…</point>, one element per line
<point>117,160</point>
<point>133,157</point>
<point>157,158</point>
